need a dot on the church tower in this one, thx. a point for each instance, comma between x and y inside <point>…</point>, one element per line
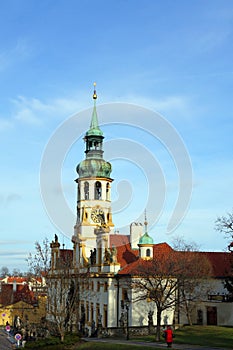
<point>93,193</point>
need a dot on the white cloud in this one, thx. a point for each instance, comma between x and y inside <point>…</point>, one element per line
<point>20,51</point>
<point>5,124</point>
<point>33,111</point>
<point>177,104</point>
<point>26,115</point>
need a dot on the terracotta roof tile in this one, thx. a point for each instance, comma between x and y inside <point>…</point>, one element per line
<point>125,255</point>
<point>9,296</point>
<point>221,262</point>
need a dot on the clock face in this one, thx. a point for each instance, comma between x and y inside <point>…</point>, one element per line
<point>97,215</point>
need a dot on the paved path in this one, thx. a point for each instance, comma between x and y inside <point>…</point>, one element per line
<point>5,342</point>
<point>160,345</point>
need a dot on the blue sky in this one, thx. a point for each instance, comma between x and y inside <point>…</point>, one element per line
<point>171,57</point>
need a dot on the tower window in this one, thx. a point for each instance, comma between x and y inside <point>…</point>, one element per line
<point>96,144</point>
<point>148,252</point>
<point>98,190</point>
<point>86,190</point>
<point>107,192</point>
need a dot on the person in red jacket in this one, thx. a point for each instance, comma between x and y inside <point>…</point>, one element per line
<point>168,336</point>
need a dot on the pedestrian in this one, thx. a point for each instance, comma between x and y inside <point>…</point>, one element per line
<point>168,333</point>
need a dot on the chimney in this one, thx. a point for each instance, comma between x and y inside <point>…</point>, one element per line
<point>14,286</point>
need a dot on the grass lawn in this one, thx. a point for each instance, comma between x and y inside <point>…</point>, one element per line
<point>108,346</point>
<point>206,335</point>
<point>93,346</point>
<point>211,336</point>
<point>201,335</point>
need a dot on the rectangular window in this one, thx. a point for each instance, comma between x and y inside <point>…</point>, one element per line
<point>92,312</point>
<point>105,320</point>
<point>105,286</point>
<point>87,311</point>
<point>97,313</point>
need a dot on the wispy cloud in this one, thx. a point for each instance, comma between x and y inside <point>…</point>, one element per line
<point>10,56</point>
<point>179,105</point>
<point>5,124</point>
<point>12,198</point>
<point>15,242</point>
<point>36,112</point>
<point>210,40</point>
<point>9,199</point>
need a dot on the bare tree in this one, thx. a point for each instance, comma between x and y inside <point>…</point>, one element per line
<point>63,295</point>
<point>224,224</point>
<point>39,261</point>
<point>17,272</point>
<point>157,280</point>
<point>195,271</point>
<point>172,279</point>
<point>4,271</point>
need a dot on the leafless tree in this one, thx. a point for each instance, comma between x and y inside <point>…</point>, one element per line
<point>39,261</point>
<point>224,224</point>
<point>63,296</point>
<point>4,271</point>
<point>172,279</point>
<point>156,280</point>
<point>193,280</point>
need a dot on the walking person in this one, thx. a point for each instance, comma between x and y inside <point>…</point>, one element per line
<point>168,333</point>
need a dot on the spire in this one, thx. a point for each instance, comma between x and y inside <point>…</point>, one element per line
<point>94,127</point>
<point>94,165</point>
<point>145,222</point>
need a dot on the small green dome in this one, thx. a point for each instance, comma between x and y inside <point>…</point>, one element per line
<point>94,167</point>
<point>94,132</point>
<point>146,239</point>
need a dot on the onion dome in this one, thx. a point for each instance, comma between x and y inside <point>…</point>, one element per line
<point>146,239</point>
<point>94,167</point>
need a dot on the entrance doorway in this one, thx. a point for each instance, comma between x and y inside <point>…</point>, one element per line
<point>211,315</point>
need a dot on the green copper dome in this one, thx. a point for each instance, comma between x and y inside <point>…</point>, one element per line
<point>146,239</point>
<point>94,168</point>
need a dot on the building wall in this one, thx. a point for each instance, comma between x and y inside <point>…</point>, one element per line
<point>26,312</point>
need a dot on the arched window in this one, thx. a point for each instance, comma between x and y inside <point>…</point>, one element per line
<point>98,190</point>
<point>107,192</point>
<point>148,252</point>
<point>86,190</point>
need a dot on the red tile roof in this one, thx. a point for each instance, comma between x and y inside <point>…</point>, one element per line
<point>10,296</point>
<point>125,255</point>
<point>221,262</point>
<point>118,240</point>
<point>18,280</point>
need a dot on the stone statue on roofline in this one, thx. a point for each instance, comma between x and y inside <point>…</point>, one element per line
<point>114,254</point>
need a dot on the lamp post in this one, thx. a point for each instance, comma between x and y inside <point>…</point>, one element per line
<point>127,302</point>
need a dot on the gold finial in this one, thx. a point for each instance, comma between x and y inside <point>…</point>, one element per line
<point>94,94</point>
